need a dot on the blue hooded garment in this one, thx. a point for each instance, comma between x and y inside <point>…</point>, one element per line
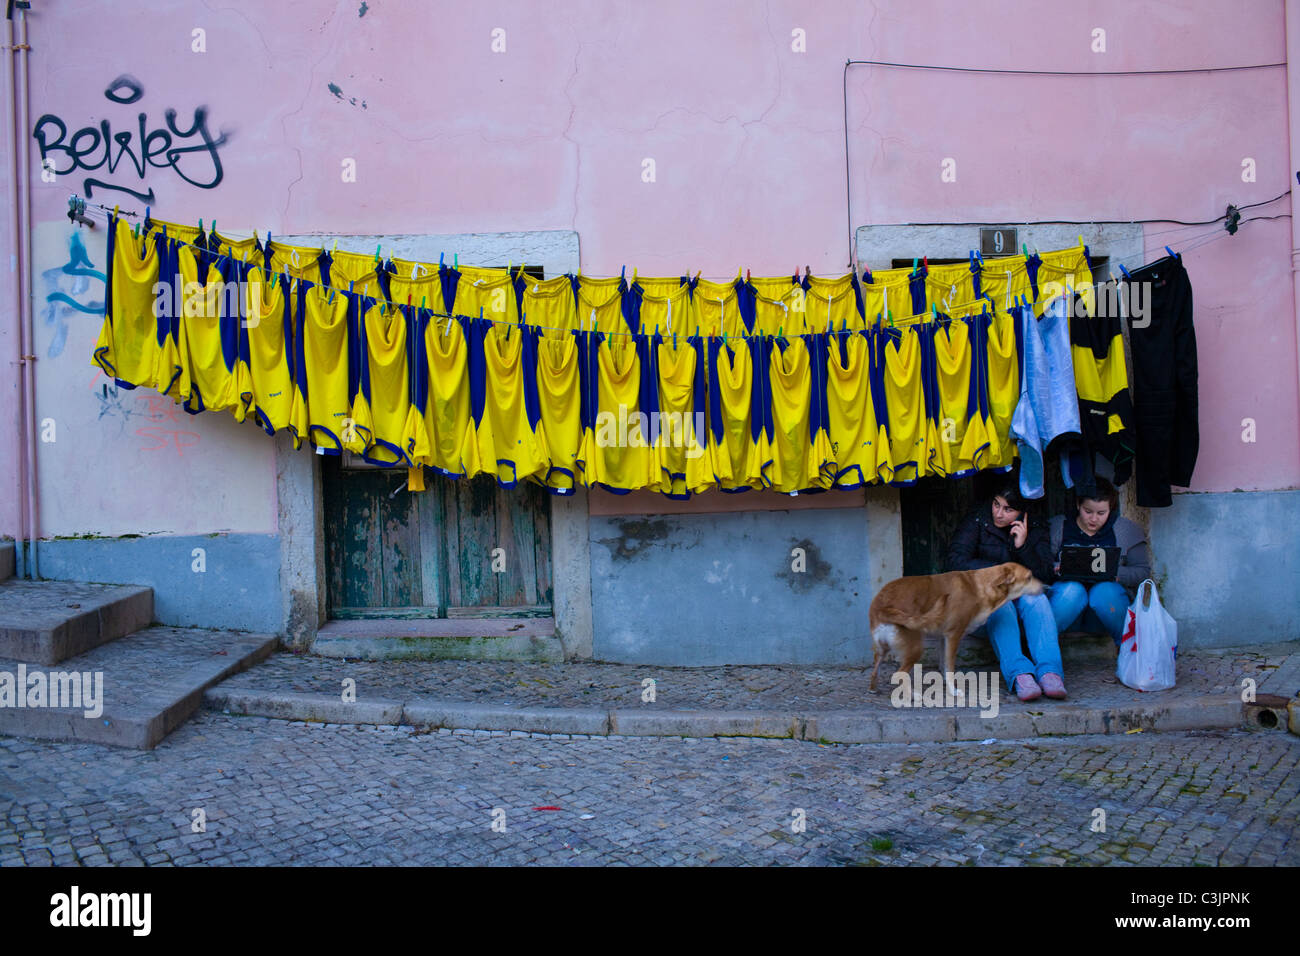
<point>1049,402</point>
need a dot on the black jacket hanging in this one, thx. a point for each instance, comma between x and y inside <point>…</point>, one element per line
<point>1165,403</point>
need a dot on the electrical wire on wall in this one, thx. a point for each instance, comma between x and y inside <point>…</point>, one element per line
<point>1227,218</point>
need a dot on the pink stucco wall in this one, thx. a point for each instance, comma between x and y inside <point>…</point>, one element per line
<point>747,139</point>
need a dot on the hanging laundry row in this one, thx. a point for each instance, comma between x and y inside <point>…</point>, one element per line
<point>677,385</point>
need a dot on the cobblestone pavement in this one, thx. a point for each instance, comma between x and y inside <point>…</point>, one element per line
<point>587,684</point>
<point>279,792</point>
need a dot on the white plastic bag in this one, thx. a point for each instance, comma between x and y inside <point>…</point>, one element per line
<point>1150,643</point>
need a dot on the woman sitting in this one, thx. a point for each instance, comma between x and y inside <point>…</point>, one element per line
<point>1096,523</point>
<point>996,535</point>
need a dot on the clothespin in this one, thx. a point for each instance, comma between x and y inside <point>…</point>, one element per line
<point>913,267</point>
<point>200,225</point>
<point>807,272</point>
<point>925,261</point>
<point>422,301</point>
<point>747,278</point>
<point>1171,253</point>
<point>1081,240</point>
<point>934,311</point>
<point>349,285</point>
<point>146,219</point>
<point>866,274</point>
<point>455,261</point>
<point>674,341</point>
<point>1125,271</point>
<point>377,253</point>
<point>440,263</point>
<point>335,249</point>
<point>1025,249</point>
<point>214,227</point>
<point>623,274</point>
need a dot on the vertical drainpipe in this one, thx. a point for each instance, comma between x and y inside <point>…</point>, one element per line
<point>1293,130</point>
<point>24,201</point>
<point>15,281</point>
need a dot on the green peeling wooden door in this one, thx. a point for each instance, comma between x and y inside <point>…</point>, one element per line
<point>463,548</point>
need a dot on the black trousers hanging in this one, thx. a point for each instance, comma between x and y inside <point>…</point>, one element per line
<point>1165,403</point>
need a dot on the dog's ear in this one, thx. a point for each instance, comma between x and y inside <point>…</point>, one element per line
<point>1010,576</point>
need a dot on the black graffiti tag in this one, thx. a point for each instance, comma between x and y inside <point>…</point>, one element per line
<point>92,147</point>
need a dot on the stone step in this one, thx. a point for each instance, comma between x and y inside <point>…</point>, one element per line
<point>146,684</point>
<point>45,622</point>
<point>6,560</point>
<point>378,639</point>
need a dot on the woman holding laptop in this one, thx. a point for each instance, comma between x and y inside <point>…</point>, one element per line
<point>1092,595</point>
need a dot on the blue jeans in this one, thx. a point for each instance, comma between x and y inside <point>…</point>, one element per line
<point>1080,607</point>
<point>1003,629</point>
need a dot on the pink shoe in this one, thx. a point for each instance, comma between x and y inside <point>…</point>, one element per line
<point>1027,688</point>
<point>1053,686</point>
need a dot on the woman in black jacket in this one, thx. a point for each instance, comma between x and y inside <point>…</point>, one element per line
<point>995,535</point>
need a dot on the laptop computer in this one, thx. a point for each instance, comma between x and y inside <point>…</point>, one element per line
<point>1089,564</point>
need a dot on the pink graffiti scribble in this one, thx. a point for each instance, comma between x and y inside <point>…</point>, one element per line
<point>165,435</point>
<point>162,409</point>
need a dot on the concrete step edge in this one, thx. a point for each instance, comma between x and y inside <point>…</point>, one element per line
<point>174,703</point>
<point>847,726</point>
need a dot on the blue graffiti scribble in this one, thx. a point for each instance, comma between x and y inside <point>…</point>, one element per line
<point>60,304</point>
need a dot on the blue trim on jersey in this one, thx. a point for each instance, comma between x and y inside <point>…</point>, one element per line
<point>916,285</point>
<point>532,399</point>
<point>449,279</point>
<point>477,368</point>
<point>121,383</point>
<point>311,436</point>
<point>614,491</point>
<point>647,397</point>
<point>714,395</point>
<point>195,395</point>
<point>514,470</point>
<point>976,276</point>
<point>402,458</point>
<point>761,389</point>
<point>862,479</point>
<point>857,297</point>
<point>879,341</point>
<point>745,300</point>
<point>1031,266</point>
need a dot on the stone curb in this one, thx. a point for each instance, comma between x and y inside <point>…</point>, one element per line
<point>846,726</point>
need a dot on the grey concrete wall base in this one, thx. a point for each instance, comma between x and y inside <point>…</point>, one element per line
<point>6,560</point>
<point>571,571</point>
<point>1238,591</point>
<point>515,648</point>
<point>302,552</point>
<point>770,587</point>
<point>223,580</point>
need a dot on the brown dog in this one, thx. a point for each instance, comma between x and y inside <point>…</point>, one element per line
<point>951,605</point>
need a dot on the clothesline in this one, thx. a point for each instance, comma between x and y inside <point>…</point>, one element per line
<point>901,321</point>
<point>1128,261</point>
